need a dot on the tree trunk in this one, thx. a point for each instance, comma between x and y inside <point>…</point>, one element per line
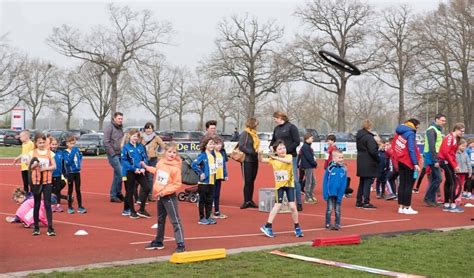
<point>341,112</point>
<point>467,100</point>
<point>33,120</point>
<point>401,100</point>
<point>101,123</point>
<point>68,121</point>
<point>157,122</point>
<point>251,104</point>
<point>114,93</point>
<point>223,123</point>
<point>180,118</point>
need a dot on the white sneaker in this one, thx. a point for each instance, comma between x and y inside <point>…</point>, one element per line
<point>410,211</point>
<point>401,211</point>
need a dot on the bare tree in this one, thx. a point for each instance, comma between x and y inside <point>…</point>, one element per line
<point>225,101</point>
<point>181,93</point>
<point>131,33</point>
<point>36,76</point>
<point>204,92</point>
<point>152,87</point>
<point>341,26</point>
<point>246,52</point>
<point>399,45</point>
<point>10,84</point>
<point>66,87</point>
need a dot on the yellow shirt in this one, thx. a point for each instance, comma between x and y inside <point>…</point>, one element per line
<point>26,148</point>
<point>283,172</point>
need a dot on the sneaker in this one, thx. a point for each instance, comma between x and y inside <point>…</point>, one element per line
<point>212,221</point>
<point>457,209</point>
<point>180,248</point>
<point>359,205</point>
<point>416,191</point>
<point>430,203</point>
<point>401,211</point>
<point>336,227</point>
<point>82,210</point>
<point>379,196</point>
<point>315,201</point>
<point>59,208</point>
<point>203,221</point>
<point>51,232</point>
<point>244,205</point>
<point>409,210</point>
<point>143,214</point>
<point>299,207</point>
<point>36,231</point>
<point>447,209</point>
<point>252,205</point>
<point>151,199</point>
<point>126,212</point>
<point>120,197</point>
<point>133,215</point>
<point>328,226</point>
<point>70,210</point>
<point>10,219</point>
<point>390,197</point>
<point>298,232</point>
<point>155,245</point>
<point>369,206</point>
<point>115,200</point>
<point>220,215</point>
<point>267,231</point>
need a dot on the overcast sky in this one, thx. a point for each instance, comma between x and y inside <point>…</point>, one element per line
<point>29,23</point>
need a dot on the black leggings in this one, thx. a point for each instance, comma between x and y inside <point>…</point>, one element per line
<point>130,187</point>
<point>74,180</point>
<point>206,194</point>
<point>449,183</point>
<point>392,180</point>
<point>58,185</point>
<point>420,178</point>
<point>249,171</point>
<point>46,190</point>
<point>24,178</point>
<point>406,185</point>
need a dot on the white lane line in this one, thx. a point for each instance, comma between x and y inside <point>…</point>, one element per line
<point>283,232</point>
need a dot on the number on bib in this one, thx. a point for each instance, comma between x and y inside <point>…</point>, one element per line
<point>162,177</point>
<point>43,162</point>
<point>281,176</point>
<point>24,158</point>
<point>220,163</point>
<point>212,169</point>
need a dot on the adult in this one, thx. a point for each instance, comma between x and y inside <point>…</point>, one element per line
<point>152,142</point>
<point>288,132</point>
<point>211,128</point>
<point>249,143</point>
<point>433,139</point>
<point>407,153</point>
<point>113,134</point>
<point>235,135</point>
<point>367,163</point>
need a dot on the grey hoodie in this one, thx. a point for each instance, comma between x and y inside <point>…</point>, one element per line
<point>113,135</point>
<point>463,162</point>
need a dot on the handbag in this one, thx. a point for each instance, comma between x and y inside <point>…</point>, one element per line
<point>237,154</point>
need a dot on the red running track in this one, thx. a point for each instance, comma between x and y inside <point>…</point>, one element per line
<point>113,237</point>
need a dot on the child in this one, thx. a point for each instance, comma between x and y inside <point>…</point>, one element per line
<point>26,147</point>
<point>167,183</point>
<point>334,185</point>
<point>205,166</point>
<point>221,175</point>
<point>133,154</point>
<point>59,174</point>
<point>73,158</point>
<point>469,182</point>
<point>308,164</point>
<point>284,183</point>
<point>331,141</point>
<point>24,213</point>
<point>393,173</point>
<point>42,165</point>
<point>383,168</point>
<point>465,170</point>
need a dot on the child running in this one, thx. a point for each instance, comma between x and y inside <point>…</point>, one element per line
<point>221,175</point>
<point>42,165</point>
<point>205,166</point>
<point>334,185</point>
<point>133,154</point>
<point>73,157</point>
<point>167,183</point>
<point>59,174</point>
<point>284,183</point>
<point>26,146</point>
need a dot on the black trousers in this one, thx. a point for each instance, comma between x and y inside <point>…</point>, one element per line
<point>130,187</point>
<point>24,178</point>
<point>206,196</point>
<point>58,185</point>
<point>249,173</point>
<point>449,183</point>
<point>420,178</point>
<point>74,181</point>
<point>406,185</point>
<point>392,180</point>
<point>363,192</point>
<point>45,190</point>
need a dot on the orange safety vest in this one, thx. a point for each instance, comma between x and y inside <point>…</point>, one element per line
<point>45,161</point>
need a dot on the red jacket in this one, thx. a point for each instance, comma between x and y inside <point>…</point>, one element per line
<point>448,149</point>
<point>329,151</point>
<point>401,153</point>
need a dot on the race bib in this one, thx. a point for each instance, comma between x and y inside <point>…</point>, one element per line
<point>162,177</point>
<point>24,159</point>
<point>281,176</point>
<point>43,162</point>
<point>220,163</point>
<point>212,169</point>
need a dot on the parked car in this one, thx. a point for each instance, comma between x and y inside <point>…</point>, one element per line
<point>344,136</point>
<point>265,136</point>
<point>226,137</point>
<point>91,143</point>
<point>11,137</point>
<point>166,136</point>
<point>139,128</point>
<point>61,136</point>
<point>303,131</point>
<point>79,132</point>
<point>187,135</point>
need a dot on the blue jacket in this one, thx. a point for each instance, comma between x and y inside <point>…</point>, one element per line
<point>73,160</point>
<point>60,158</point>
<point>201,165</point>
<point>307,160</point>
<point>470,155</point>
<point>334,182</point>
<point>384,163</point>
<point>410,135</point>
<point>131,156</point>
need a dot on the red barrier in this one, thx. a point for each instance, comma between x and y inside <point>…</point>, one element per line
<point>340,240</point>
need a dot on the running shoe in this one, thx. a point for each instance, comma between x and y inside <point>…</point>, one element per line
<point>203,221</point>
<point>155,245</point>
<point>51,232</point>
<point>70,210</point>
<point>143,214</point>
<point>36,231</point>
<point>126,212</point>
<point>267,231</point>
<point>298,232</point>
<point>82,210</point>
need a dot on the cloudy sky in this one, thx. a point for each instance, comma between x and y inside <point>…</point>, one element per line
<point>29,23</point>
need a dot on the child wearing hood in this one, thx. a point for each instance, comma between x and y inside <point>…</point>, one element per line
<point>167,181</point>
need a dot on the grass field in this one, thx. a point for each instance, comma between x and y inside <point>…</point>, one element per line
<point>11,151</point>
<point>435,254</point>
